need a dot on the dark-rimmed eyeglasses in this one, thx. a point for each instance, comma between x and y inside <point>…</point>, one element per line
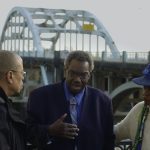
<point>82,75</point>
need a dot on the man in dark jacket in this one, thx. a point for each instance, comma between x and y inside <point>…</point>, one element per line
<point>71,115</point>
<point>12,127</point>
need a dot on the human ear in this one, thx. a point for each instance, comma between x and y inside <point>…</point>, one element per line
<point>9,77</point>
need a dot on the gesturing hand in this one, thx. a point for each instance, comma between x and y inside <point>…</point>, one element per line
<point>61,129</point>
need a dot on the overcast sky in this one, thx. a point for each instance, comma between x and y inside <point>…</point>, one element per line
<point>127,21</point>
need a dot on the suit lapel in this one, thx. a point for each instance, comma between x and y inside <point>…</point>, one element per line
<point>62,102</point>
<point>84,106</point>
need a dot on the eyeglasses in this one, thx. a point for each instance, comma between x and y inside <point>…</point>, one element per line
<point>82,75</point>
<point>22,72</point>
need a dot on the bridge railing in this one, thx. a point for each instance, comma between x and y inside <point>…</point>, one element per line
<point>39,32</point>
<point>125,57</point>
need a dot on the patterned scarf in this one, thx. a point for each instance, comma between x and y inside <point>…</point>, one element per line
<point>140,130</point>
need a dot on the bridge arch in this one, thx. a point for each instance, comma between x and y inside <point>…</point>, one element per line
<point>39,32</point>
<point>122,91</point>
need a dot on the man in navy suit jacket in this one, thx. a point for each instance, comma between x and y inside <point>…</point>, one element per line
<point>49,121</point>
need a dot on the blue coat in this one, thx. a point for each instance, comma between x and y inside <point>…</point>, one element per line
<point>47,104</point>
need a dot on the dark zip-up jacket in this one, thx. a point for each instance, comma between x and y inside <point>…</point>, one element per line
<point>12,127</point>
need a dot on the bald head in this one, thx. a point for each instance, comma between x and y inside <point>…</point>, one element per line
<point>9,61</point>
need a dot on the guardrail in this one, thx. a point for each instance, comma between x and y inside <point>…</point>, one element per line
<point>124,57</point>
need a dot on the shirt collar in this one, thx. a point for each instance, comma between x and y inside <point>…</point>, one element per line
<point>78,96</point>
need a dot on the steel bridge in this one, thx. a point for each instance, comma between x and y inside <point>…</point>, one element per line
<point>38,32</point>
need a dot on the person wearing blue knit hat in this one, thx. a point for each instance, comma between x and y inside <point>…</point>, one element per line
<point>136,125</point>
<point>145,79</point>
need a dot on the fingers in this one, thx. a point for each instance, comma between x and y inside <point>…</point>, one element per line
<point>70,134</point>
<point>62,118</point>
<point>69,137</point>
<point>61,129</point>
<point>71,127</point>
<point>70,131</point>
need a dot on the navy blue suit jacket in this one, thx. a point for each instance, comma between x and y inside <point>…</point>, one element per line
<point>47,104</point>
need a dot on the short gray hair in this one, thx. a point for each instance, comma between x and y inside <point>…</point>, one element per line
<point>80,56</point>
<point>8,61</point>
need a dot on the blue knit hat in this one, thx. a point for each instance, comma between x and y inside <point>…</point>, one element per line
<point>145,79</point>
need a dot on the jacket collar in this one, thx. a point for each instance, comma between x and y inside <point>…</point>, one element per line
<point>3,95</point>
